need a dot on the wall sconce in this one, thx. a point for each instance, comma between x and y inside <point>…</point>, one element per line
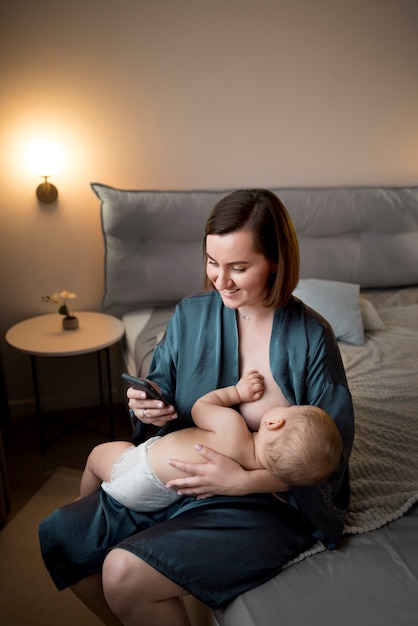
<point>44,158</point>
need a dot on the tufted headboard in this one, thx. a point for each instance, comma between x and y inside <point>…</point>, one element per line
<point>153,239</point>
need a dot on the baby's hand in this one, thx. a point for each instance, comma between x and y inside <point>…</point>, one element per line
<point>250,387</point>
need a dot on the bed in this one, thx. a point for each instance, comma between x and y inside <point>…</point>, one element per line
<point>359,268</point>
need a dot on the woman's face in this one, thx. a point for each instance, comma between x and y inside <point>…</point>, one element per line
<point>240,274</point>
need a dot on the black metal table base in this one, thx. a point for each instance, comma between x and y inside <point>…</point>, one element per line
<point>41,418</point>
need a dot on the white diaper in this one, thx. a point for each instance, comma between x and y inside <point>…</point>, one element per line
<point>134,484</point>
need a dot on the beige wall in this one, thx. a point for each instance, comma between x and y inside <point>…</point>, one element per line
<point>188,94</point>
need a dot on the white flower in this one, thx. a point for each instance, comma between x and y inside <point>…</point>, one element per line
<point>61,299</point>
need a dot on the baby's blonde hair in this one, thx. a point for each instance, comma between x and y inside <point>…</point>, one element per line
<point>308,449</point>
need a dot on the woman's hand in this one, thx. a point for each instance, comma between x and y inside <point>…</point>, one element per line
<point>149,411</point>
<point>222,476</point>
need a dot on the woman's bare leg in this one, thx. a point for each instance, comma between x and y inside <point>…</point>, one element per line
<point>90,592</point>
<point>139,595</point>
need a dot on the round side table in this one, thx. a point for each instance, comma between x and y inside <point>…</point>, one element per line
<point>43,336</point>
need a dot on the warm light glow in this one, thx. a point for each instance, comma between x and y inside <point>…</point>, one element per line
<point>44,158</point>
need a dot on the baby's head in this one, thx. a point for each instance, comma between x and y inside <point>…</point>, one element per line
<point>305,447</point>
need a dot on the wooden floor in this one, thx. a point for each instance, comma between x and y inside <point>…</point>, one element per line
<point>28,470</point>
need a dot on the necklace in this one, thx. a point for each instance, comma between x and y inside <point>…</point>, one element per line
<point>244,317</point>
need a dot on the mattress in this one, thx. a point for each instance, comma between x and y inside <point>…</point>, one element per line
<point>373,577</point>
<point>371,580</point>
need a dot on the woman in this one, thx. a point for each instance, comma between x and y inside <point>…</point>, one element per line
<point>247,319</point>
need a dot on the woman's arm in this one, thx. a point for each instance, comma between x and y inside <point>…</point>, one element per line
<point>220,475</point>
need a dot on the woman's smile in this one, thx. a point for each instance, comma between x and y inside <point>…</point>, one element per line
<point>240,274</point>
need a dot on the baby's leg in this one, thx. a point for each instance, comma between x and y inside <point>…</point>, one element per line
<point>100,463</point>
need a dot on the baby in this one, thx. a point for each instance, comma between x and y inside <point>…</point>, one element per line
<point>300,445</point>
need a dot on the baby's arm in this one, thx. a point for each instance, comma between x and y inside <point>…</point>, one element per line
<point>249,388</point>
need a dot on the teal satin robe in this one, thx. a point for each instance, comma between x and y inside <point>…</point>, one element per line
<point>199,352</point>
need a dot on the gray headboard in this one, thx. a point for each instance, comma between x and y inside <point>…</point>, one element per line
<point>153,239</point>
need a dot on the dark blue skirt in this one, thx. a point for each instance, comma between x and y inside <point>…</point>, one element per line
<point>215,549</point>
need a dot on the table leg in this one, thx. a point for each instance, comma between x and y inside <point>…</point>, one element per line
<point>4,404</point>
<point>38,408</point>
<point>100,377</point>
<point>110,399</point>
<point>109,389</point>
<point>37,404</point>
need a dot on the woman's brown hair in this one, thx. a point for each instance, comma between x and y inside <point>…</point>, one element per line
<point>262,213</point>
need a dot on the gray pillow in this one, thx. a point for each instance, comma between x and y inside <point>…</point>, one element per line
<point>153,245</point>
<point>153,249</point>
<point>338,303</point>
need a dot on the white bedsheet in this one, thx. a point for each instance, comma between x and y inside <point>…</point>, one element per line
<point>134,322</point>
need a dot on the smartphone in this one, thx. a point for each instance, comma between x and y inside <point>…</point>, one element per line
<point>143,385</point>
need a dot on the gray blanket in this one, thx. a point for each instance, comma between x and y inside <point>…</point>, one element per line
<point>383,378</point>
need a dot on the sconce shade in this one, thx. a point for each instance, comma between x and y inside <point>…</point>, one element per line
<point>43,158</point>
